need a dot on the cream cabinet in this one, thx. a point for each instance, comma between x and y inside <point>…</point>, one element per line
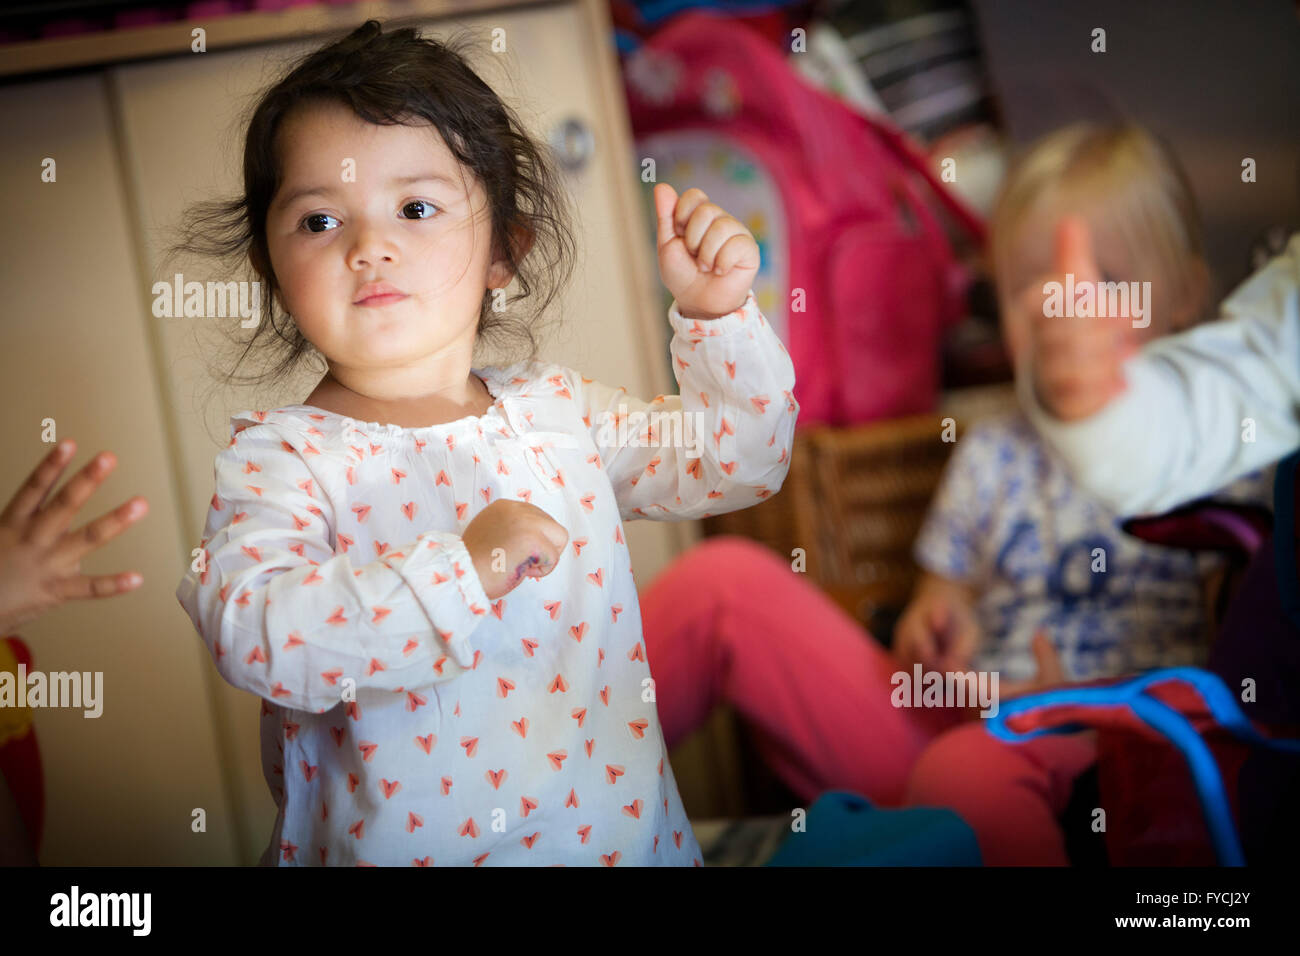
<point>134,141</point>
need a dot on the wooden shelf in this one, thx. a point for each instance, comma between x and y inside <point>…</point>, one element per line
<point>226,32</point>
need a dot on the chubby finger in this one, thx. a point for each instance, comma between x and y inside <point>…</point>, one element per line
<point>687,203</point>
<point>31,495</point>
<point>740,250</point>
<point>1050,670</point>
<point>105,528</point>
<point>719,232</point>
<point>557,534</point>
<point>87,586</point>
<point>665,202</point>
<point>702,215</point>
<point>52,520</point>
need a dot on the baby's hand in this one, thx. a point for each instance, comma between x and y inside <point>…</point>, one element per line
<point>530,543</point>
<point>707,259</point>
<point>1077,361</point>
<point>1050,671</point>
<point>937,630</point>
<point>40,559</point>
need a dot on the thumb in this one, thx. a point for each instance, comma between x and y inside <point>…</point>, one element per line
<point>937,619</point>
<point>1049,663</point>
<point>1073,250</point>
<point>665,204</point>
<point>556,534</point>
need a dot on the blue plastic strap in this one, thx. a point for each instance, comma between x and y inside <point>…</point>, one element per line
<point>1172,725</point>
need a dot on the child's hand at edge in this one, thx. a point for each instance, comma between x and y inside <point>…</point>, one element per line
<point>938,628</point>
<point>40,559</point>
<point>1077,362</point>
<point>1050,672</point>
<point>707,258</point>
<point>531,543</point>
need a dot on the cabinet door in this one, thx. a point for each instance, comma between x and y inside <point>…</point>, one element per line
<point>181,141</point>
<point>120,789</point>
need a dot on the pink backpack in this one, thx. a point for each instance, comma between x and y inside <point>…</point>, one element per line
<point>858,277</point>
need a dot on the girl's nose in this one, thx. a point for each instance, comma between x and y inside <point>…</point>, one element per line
<point>371,248</point>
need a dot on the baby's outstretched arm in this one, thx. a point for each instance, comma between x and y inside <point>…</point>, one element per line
<point>724,442</point>
<point>290,620</point>
<point>721,445</point>
<point>1201,408</point>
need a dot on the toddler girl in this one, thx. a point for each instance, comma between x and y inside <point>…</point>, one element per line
<point>421,569</point>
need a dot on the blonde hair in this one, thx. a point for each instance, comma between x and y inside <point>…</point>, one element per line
<point>1134,196</point>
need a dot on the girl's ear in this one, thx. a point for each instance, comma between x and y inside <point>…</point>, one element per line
<point>500,274</point>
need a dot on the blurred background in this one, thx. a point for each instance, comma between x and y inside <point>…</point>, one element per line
<point>839,132</point>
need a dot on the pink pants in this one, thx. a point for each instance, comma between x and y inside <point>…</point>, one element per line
<point>729,621</point>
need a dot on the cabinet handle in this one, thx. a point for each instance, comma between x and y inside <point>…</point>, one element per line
<point>573,144</point>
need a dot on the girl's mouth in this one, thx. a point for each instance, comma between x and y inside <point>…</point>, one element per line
<point>388,298</point>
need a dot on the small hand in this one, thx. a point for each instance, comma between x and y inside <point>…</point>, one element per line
<point>1050,672</point>
<point>512,540</point>
<point>40,560</point>
<point>937,630</point>
<point>707,258</point>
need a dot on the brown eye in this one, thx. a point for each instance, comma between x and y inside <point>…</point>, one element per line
<point>420,204</point>
<point>315,217</point>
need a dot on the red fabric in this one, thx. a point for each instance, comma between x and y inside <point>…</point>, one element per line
<point>20,763</point>
<point>1153,813</point>
<point>814,689</point>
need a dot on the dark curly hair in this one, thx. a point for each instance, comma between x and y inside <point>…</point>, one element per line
<point>393,78</point>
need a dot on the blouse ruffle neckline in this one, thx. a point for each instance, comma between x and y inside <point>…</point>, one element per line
<point>500,384</point>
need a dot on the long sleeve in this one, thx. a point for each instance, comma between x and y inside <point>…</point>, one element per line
<point>721,445</point>
<point>1201,408</point>
<point>288,619</point>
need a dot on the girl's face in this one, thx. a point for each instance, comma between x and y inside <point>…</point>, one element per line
<point>359,204</point>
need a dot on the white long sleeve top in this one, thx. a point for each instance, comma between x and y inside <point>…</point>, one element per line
<point>406,718</point>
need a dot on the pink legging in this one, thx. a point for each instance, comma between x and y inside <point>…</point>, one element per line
<point>729,621</point>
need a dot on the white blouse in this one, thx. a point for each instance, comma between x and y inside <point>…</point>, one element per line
<point>406,718</point>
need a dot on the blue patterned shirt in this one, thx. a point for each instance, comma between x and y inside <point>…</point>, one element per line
<point>1039,553</point>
